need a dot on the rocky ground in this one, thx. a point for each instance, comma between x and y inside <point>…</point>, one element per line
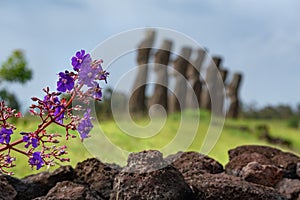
<point>252,173</point>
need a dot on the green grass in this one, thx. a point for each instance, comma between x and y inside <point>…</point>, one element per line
<point>180,132</point>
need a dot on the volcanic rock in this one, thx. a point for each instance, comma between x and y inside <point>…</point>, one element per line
<point>237,163</point>
<point>268,175</point>
<point>226,187</point>
<point>288,162</point>
<point>189,163</point>
<point>97,175</point>
<point>39,184</point>
<point>69,190</point>
<point>267,151</point>
<point>298,169</point>
<point>7,192</point>
<point>147,176</point>
<point>290,188</point>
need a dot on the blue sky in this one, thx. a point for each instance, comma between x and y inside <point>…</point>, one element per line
<point>259,38</point>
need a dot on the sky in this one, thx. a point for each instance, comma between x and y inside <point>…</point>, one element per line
<point>261,39</point>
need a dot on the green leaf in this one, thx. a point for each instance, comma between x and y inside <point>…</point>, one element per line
<point>15,68</point>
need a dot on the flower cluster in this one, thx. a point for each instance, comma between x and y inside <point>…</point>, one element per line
<point>56,107</point>
<point>85,125</point>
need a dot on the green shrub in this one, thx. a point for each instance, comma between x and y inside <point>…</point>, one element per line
<point>293,122</point>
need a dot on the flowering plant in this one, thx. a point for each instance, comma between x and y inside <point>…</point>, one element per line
<point>40,146</point>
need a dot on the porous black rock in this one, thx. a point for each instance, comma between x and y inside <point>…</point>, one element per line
<point>253,172</point>
<point>147,176</point>
<point>70,190</point>
<point>97,175</point>
<point>37,185</point>
<point>226,187</point>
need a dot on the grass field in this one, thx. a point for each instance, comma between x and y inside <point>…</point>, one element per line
<point>179,132</point>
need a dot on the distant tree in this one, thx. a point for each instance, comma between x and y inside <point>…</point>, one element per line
<point>104,107</point>
<point>249,110</point>
<point>10,98</point>
<point>268,112</point>
<point>298,110</point>
<point>280,111</point>
<point>285,111</point>
<point>14,70</point>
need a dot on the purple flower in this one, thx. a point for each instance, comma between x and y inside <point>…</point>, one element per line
<point>36,160</point>
<point>103,74</point>
<point>97,93</point>
<point>65,82</point>
<point>9,159</point>
<point>55,106</point>
<point>80,59</point>
<point>85,125</point>
<point>30,141</point>
<point>50,101</point>
<point>59,116</point>
<point>5,135</point>
<point>88,74</point>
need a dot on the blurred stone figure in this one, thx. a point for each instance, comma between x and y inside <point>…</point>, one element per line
<point>224,73</point>
<point>233,94</point>
<point>177,100</point>
<point>193,75</point>
<point>212,85</point>
<point>137,99</point>
<point>222,93</point>
<point>162,57</point>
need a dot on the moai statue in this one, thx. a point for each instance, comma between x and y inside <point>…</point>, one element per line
<point>221,93</point>
<point>177,100</point>
<point>162,57</point>
<point>224,73</point>
<point>137,99</point>
<point>211,79</point>
<point>233,94</point>
<point>193,75</point>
